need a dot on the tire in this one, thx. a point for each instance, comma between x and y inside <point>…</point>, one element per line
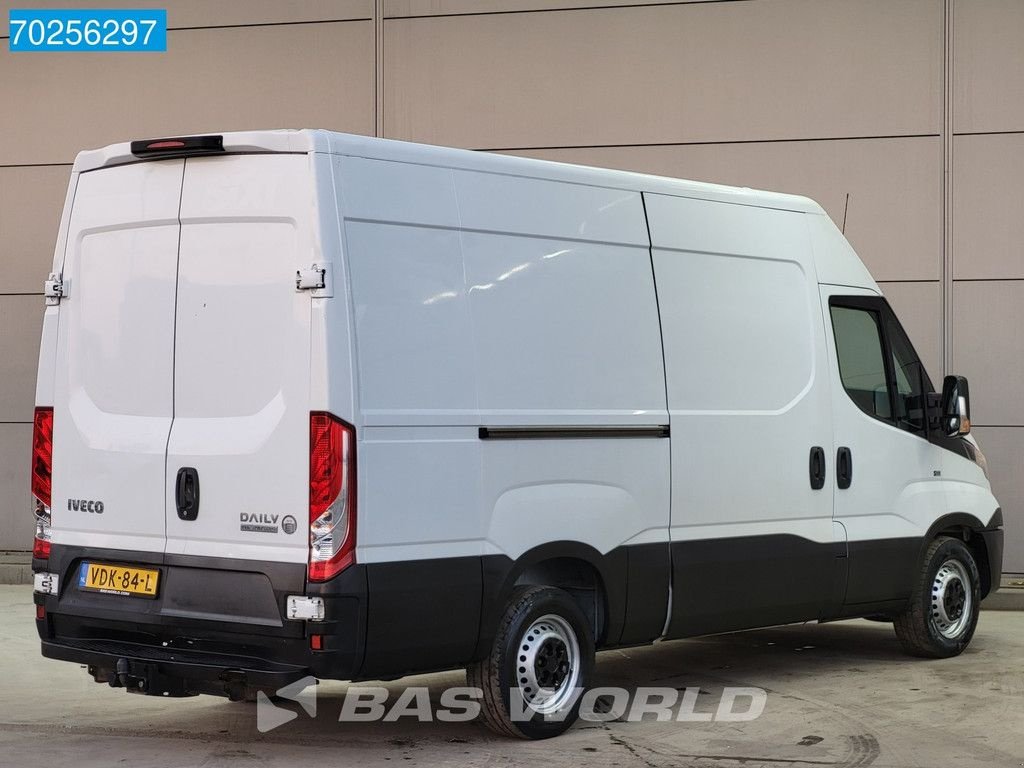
<point>942,615</point>
<point>543,657</point>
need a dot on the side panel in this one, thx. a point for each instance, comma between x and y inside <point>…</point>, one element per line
<point>242,358</point>
<point>418,451</point>
<point>752,541</point>
<point>565,323</point>
<point>490,301</point>
<point>113,390</point>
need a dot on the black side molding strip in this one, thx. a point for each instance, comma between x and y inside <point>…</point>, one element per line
<point>571,433</point>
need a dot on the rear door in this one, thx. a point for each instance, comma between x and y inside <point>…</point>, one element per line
<point>240,437</point>
<point>113,393</point>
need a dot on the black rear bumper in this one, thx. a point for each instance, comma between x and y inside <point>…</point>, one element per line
<point>216,625</point>
<point>161,671</point>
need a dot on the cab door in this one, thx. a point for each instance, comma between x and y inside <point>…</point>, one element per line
<point>888,487</point>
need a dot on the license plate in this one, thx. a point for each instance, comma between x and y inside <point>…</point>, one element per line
<point>121,580</point>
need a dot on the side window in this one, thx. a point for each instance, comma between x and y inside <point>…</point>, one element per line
<point>862,359</point>
<point>911,379</point>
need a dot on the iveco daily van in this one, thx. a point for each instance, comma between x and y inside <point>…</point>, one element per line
<point>318,404</point>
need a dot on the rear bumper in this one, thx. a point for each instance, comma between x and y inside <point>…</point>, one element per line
<point>216,625</point>
<point>162,672</point>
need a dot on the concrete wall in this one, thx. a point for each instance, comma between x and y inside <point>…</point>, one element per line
<point>905,119</point>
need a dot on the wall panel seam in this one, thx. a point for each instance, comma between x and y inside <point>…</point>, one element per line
<point>271,24</point>
<point>946,309</point>
<point>35,165</point>
<point>987,279</point>
<point>989,133</point>
<point>378,68</point>
<point>564,9</point>
<point>711,142</point>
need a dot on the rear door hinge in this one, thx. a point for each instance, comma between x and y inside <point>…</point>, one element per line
<point>53,289</point>
<point>316,278</point>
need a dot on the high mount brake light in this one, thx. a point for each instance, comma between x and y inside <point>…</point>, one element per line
<point>332,496</point>
<point>178,146</point>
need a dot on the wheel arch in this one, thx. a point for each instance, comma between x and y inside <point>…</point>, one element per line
<point>968,528</point>
<point>595,581</point>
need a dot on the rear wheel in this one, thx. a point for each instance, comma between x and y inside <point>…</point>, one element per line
<point>540,663</point>
<point>943,611</point>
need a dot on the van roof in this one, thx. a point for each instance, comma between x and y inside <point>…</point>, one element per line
<point>330,142</point>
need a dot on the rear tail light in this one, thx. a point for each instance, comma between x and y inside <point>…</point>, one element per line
<point>42,477</point>
<point>332,496</point>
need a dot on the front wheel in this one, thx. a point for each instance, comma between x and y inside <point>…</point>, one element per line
<point>943,611</point>
<point>539,665</point>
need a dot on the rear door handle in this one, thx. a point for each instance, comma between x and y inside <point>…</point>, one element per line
<point>186,493</point>
<point>844,468</point>
<point>816,465</point>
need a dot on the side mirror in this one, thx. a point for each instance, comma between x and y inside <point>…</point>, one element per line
<point>956,406</point>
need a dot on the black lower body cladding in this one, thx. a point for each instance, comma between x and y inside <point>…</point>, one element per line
<point>218,622</point>
<point>990,579</point>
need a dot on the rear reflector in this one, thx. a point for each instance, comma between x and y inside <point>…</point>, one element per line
<point>178,146</point>
<point>332,496</point>
<point>40,548</point>
<point>40,613</point>
<point>42,479</point>
<point>316,642</point>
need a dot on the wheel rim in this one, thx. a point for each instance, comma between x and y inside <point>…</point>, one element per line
<point>548,664</point>
<point>952,599</point>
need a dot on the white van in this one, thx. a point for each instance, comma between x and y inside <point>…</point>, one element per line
<point>319,404</point>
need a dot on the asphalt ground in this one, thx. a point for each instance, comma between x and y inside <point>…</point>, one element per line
<point>840,694</point>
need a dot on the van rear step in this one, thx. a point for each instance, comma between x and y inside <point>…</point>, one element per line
<point>157,671</point>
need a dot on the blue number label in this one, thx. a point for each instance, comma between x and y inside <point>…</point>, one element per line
<point>88,30</point>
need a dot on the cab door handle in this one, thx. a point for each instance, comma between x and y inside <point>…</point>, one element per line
<point>186,493</point>
<point>844,468</point>
<point>816,466</point>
